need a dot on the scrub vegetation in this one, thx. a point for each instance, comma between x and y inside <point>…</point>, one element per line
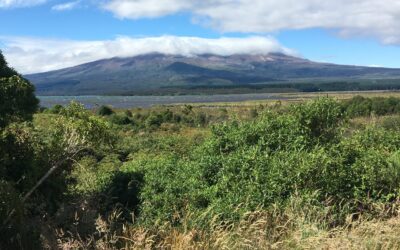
<point>323,173</point>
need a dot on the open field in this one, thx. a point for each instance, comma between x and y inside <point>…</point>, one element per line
<point>285,98</point>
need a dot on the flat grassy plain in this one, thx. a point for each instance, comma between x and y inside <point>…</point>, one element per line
<point>304,96</point>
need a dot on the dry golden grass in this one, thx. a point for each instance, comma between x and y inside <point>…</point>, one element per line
<point>366,235</point>
<point>257,234</point>
<point>299,225</point>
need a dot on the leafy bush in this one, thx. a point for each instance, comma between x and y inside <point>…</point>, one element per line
<point>154,121</point>
<point>56,109</point>
<point>5,70</point>
<point>9,200</point>
<point>362,106</point>
<point>124,192</point>
<point>17,234</point>
<point>322,118</point>
<point>128,113</point>
<point>105,111</point>
<point>120,119</point>
<point>17,100</point>
<point>17,168</point>
<point>248,165</point>
<point>391,123</point>
<point>253,113</point>
<point>91,176</point>
<point>167,188</point>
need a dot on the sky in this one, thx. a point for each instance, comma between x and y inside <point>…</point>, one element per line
<point>43,35</point>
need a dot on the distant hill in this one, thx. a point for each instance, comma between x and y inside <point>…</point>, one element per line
<point>171,74</point>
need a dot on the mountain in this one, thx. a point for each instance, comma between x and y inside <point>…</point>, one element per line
<point>159,73</point>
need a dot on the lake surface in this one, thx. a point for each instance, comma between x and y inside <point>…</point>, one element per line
<point>148,101</point>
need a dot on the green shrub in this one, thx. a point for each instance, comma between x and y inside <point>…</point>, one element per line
<point>56,109</point>
<point>128,113</point>
<point>90,176</point>
<point>169,186</point>
<point>245,166</point>
<point>187,109</point>
<point>9,201</point>
<point>201,119</point>
<point>153,121</point>
<point>123,191</point>
<point>120,119</point>
<point>167,115</point>
<point>391,123</point>
<point>362,106</point>
<point>253,113</point>
<point>17,100</point>
<point>17,234</point>
<point>321,119</point>
<point>105,111</point>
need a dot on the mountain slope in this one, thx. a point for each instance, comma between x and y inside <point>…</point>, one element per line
<point>156,73</point>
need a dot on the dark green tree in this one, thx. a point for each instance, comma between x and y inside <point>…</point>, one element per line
<point>105,111</point>
<point>17,96</point>
<point>17,103</point>
<point>5,70</point>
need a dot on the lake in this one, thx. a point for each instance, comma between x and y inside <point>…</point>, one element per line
<point>148,101</point>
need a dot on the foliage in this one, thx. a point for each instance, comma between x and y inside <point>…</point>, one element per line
<point>105,110</point>
<point>5,70</point>
<point>391,123</point>
<point>56,109</point>
<point>245,165</point>
<point>36,160</point>
<point>362,106</point>
<point>167,187</point>
<point>17,156</point>
<point>161,118</point>
<point>120,119</point>
<point>17,100</point>
<point>321,119</point>
<point>91,176</point>
<point>170,171</point>
<point>253,113</point>
<point>75,131</point>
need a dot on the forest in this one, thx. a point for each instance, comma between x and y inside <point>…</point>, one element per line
<point>322,173</point>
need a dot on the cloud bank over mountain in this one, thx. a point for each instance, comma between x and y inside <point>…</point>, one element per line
<point>31,55</point>
<point>254,20</point>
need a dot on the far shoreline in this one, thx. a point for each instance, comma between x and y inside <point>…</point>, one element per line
<point>145,101</point>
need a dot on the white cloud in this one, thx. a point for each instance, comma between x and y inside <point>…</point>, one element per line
<point>147,8</point>
<point>66,6</point>
<point>30,55</point>
<point>19,3</point>
<point>373,18</point>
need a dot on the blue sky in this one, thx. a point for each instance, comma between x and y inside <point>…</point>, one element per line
<point>45,33</point>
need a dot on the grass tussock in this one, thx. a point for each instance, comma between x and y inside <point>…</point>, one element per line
<point>298,225</point>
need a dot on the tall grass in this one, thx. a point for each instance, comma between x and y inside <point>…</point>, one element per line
<point>297,225</point>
